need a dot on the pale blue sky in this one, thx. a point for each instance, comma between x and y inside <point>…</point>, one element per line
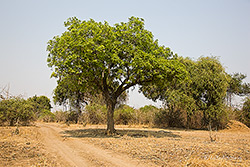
<point>189,27</point>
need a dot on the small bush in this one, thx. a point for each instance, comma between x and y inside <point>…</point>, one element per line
<point>47,116</point>
<point>72,117</point>
<point>147,115</point>
<point>124,115</point>
<point>16,110</point>
<point>61,116</point>
<point>94,114</point>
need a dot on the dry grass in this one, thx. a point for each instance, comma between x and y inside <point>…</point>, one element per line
<point>23,149</point>
<point>166,147</point>
<point>163,147</point>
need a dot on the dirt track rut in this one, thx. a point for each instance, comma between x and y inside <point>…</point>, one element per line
<point>76,152</point>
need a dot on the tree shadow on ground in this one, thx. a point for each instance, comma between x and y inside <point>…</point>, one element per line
<point>101,133</point>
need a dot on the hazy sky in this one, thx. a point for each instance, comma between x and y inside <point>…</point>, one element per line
<point>191,28</point>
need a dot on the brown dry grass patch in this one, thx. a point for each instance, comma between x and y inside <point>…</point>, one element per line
<point>168,147</point>
<point>163,147</point>
<point>23,149</point>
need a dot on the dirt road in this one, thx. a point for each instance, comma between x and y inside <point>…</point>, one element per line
<point>76,152</point>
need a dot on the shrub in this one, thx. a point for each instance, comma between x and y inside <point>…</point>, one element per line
<point>147,115</point>
<point>72,117</point>
<point>169,118</point>
<point>61,116</point>
<point>39,103</point>
<point>47,116</point>
<point>94,114</point>
<point>16,110</point>
<point>125,115</point>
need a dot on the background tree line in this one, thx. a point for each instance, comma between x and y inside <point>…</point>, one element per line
<point>16,110</point>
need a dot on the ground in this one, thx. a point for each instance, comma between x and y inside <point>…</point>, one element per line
<point>53,144</point>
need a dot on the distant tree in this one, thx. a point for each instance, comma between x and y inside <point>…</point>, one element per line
<point>204,91</point>
<point>124,114</point>
<point>39,103</point>
<point>111,59</point>
<point>237,87</point>
<point>147,114</point>
<point>245,115</point>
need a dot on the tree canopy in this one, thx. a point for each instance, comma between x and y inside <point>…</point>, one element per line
<point>111,59</point>
<point>70,92</point>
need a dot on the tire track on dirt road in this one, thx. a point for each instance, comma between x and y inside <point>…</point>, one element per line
<point>78,153</point>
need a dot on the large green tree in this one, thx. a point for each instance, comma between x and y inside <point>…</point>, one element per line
<point>111,59</point>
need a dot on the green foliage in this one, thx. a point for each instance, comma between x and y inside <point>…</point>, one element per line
<point>95,113</point>
<point>39,103</point>
<point>124,115</point>
<point>147,114</point>
<point>20,111</point>
<point>111,59</point>
<point>236,85</point>
<point>211,85</point>
<point>47,116</point>
<point>16,111</point>
<point>205,91</point>
<point>70,91</point>
<point>245,116</point>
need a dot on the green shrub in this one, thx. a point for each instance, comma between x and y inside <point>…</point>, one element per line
<point>125,115</point>
<point>147,114</point>
<point>39,103</point>
<point>16,110</point>
<point>47,116</point>
<point>94,114</point>
<point>61,116</point>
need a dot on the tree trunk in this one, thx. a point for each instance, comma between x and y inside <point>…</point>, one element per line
<point>110,117</point>
<point>188,120</point>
